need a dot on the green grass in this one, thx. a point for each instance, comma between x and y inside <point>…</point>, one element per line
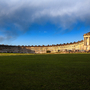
<point>45,72</point>
<point>14,54</point>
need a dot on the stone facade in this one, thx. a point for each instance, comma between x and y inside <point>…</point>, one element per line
<point>87,41</point>
<point>83,45</point>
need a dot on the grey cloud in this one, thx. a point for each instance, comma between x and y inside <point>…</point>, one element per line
<point>2,38</point>
<point>29,11</point>
<point>20,15</point>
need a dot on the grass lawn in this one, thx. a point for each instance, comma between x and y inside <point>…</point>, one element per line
<point>45,72</point>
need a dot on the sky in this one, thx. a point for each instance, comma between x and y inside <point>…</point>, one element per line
<point>43,22</point>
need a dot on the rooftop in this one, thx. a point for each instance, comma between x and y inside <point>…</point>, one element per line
<point>87,34</point>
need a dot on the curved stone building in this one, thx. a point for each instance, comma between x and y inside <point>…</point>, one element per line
<point>83,45</point>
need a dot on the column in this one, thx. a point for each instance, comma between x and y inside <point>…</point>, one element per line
<point>85,41</point>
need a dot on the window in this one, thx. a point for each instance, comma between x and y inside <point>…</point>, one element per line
<point>87,48</point>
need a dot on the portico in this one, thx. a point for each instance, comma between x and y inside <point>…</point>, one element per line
<point>87,41</point>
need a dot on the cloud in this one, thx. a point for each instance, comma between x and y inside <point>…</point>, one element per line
<point>17,16</point>
<point>2,38</point>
